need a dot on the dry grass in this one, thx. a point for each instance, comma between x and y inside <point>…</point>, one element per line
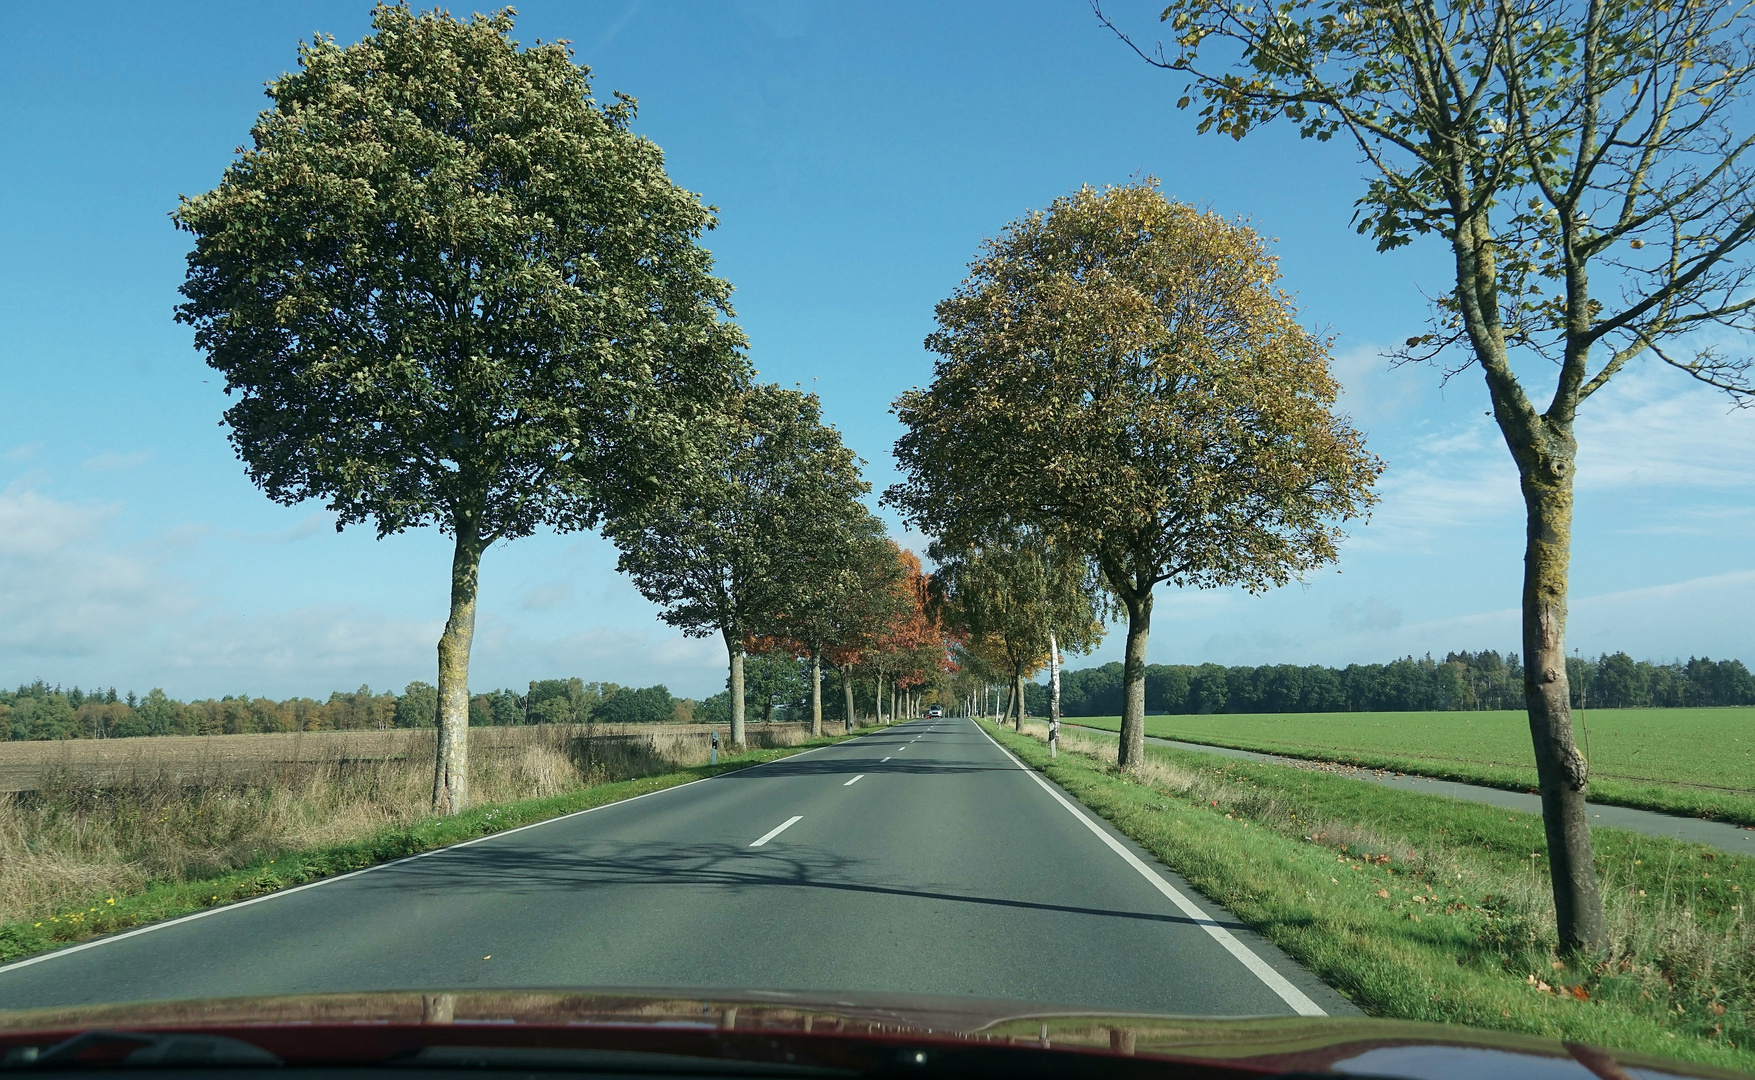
<point>24,764</point>
<point>113,817</point>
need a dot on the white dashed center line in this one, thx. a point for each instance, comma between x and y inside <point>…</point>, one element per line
<point>881,762</point>
<point>778,829</point>
<point>853,781</point>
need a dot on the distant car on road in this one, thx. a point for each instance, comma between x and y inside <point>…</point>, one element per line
<point>935,712</point>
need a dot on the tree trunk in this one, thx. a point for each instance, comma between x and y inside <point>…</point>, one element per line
<point>847,692</point>
<point>1546,478</point>
<point>877,702</point>
<point>451,769</point>
<point>734,648</point>
<point>816,696</point>
<point>1132,747</point>
<point>1053,679</point>
<point>1018,697</point>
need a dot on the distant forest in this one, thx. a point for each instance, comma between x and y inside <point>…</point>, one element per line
<point>1462,680</point>
<point>775,689</point>
<point>40,711</point>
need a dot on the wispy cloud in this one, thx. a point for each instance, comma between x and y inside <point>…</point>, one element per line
<point>117,461</point>
<point>547,596</point>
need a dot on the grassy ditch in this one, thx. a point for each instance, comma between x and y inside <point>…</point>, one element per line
<point>1644,758</point>
<point>155,851</point>
<point>1420,907</point>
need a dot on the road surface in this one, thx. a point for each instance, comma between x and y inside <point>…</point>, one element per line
<point>921,858</point>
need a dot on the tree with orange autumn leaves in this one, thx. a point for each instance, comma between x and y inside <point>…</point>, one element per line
<point>878,625</point>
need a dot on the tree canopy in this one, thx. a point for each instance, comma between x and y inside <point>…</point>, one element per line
<point>753,540</point>
<point>1017,598</point>
<point>449,287</point>
<point>1121,372</point>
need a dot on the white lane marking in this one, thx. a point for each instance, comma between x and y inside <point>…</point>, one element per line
<point>881,762</point>
<point>234,906</point>
<point>853,781</point>
<point>778,829</point>
<point>899,749</point>
<point>1291,995</point>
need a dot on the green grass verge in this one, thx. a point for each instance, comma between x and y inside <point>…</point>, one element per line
<point>1652,759</point>
<point>167,899</point>
<point>1424,908</point>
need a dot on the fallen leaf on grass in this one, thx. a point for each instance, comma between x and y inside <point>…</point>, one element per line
<point>1383,893</point>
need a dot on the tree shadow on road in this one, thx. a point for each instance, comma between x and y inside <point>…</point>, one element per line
<point>601,864</point>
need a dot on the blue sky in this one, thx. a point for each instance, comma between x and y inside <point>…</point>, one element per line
<point>858,155</point>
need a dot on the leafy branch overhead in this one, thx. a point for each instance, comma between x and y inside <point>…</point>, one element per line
<point>1544,136</point>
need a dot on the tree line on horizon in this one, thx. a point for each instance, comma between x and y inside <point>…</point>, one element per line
<point>1461,681</point>
<point>39,711</point>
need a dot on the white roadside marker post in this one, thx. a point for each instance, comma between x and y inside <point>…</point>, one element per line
<point>1053,696</point>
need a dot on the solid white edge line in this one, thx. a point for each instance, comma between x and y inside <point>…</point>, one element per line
<point>853,781</point>
<point>1291,995</point>
<point>237,904</point>
<point>778,829</point>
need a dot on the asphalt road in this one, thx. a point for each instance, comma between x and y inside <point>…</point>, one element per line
<point>918,859</point>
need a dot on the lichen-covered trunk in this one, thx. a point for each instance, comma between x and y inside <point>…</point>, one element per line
<point>1131,748</point>
<point>734,684</point>
<point>451,769</point>
<point>816,695</point>
<point>877,701</point>
<point>1546,477</point>
<point>847,693</point>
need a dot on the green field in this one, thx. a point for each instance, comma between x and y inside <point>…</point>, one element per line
<point>1690,761</point>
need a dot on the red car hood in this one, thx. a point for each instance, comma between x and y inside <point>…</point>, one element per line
<point>825,1028</point>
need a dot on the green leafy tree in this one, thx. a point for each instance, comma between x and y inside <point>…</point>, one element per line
<point>450,288</point>
<point>727,548</point>
<point>650,705</point>
<point>1120,372</point>
<point>1019,597</point>
<point>418,706</point>
<point>1588,166</point>
<point>773,679</point>
<point>842,595</point>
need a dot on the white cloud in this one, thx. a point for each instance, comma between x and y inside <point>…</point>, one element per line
<point>1373,614</point>
<point>65,591</point>
<point>115,461</point>
<point>1653,427</point>
<point>280,652</point>
<point>547,596</point>
<point>1375,394</point>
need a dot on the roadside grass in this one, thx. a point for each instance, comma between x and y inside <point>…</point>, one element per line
<point>223,875</point>
<point>1651,759</point>
<point>1420,907</point>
